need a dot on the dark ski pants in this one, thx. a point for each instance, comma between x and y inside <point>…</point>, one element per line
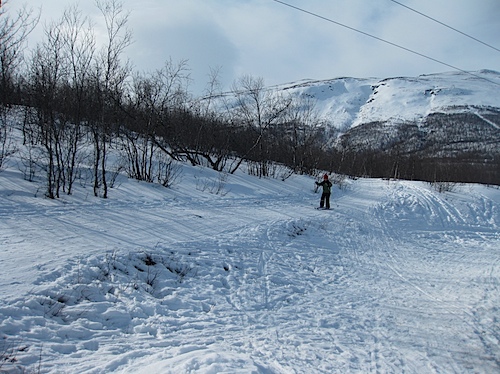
<point>325,198</point>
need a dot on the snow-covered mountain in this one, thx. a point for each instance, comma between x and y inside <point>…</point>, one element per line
<point>439,117</point>
<point>430,122</point>
<point>347,103</point>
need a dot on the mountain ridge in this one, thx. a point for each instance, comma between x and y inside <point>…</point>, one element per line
<point>348,102</point>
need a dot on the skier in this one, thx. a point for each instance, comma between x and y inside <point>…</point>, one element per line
<point>325,196</point>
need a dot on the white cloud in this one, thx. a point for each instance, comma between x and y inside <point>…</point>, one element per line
<point>266,39</point>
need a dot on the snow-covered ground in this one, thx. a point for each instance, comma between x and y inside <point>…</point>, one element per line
<point>395,278</point>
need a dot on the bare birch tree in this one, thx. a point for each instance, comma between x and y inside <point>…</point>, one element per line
<point>13,33</point>
<point>109,79</point>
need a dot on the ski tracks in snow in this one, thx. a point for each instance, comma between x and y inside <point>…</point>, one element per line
<point>395,278</point>
<point>440,261</point>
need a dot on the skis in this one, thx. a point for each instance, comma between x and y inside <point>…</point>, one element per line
<point>320,208</point>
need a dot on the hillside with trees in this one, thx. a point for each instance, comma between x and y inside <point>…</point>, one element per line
<point>86,116</point>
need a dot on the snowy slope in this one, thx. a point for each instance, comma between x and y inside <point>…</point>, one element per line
<point>350,102</point>
<point>396,278</point>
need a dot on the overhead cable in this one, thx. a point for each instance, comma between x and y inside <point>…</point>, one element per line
<point>384,40</point>
<point>445,25</point>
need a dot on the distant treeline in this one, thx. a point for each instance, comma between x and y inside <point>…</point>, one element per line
<point>460,146</point>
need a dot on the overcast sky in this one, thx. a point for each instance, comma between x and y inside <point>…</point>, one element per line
<point>263,38</point>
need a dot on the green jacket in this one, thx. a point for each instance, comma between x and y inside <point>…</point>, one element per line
<point>327,186</point>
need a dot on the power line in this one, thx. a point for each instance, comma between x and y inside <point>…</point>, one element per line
<point>383,40</point>
<point>445,25</point>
